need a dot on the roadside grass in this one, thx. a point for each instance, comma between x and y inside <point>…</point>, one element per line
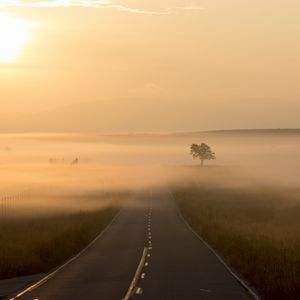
<point>31,245</point>
<point>256,230</point>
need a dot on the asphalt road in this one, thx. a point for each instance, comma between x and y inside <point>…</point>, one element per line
<point>177,264</point>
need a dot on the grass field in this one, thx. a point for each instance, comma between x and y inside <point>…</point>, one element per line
<point>256,230</point>
<point>31,245</point>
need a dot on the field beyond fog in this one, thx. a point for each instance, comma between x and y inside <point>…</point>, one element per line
<point>43,163</point>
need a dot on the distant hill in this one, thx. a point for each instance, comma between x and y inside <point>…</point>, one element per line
<point>244,132</point>
<point>125,116</point>
<point>258,131</point>
<point>109,116</point>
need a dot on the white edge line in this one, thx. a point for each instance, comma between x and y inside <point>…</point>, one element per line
<point>220,258</point>
<point>137,275</point>
<point>49,276</point>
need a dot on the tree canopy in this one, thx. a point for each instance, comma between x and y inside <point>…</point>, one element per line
<point>202,152</point>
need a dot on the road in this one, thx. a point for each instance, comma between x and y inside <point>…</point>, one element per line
<point>177,264</point>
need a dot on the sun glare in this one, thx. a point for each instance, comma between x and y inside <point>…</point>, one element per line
<point>14,35</point>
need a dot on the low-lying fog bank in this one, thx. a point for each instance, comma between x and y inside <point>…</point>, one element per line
<point>53,168</point>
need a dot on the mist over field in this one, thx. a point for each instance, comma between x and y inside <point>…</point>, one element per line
<point>41,164</point>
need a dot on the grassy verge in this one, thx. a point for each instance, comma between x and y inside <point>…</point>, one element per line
<point>38,244</point>
<point>257,231</point>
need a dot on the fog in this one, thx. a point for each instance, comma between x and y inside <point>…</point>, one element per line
<point>38,173</point>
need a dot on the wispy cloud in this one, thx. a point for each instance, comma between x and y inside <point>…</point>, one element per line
<point>76,3</point>
<point>55,3</point>
<point>108,4</point>
<point>137,10</point>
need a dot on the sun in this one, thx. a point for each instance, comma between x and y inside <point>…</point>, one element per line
<point>14,35</point>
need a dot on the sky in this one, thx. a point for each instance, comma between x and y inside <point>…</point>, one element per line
<point>226,64</point>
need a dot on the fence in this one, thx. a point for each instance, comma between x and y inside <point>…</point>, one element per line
<point>8,202</point>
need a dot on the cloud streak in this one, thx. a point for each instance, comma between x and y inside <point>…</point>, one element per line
<point>56,3</point>
<point>108,4</point>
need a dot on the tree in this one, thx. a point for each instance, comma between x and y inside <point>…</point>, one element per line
<point>203,152</point>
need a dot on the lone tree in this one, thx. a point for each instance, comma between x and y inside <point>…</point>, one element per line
<point>203,152</point>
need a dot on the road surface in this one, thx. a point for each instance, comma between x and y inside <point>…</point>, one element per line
<point>177,265</point>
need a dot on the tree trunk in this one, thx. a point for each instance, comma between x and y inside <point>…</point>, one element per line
<point>202,163</point>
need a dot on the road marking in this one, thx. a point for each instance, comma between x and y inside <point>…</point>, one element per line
<point>49,276</point>
<point>133,286</point>
<point>146,264</point>
<point>206,291</point>
<point>139,291</point>
<point>143,275</point>
<point>148,255</point>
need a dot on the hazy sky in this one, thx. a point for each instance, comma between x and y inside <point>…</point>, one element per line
<point>235,62</point>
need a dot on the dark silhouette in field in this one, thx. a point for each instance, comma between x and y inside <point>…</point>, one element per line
<point>203,152</point>
<point>75,161</point>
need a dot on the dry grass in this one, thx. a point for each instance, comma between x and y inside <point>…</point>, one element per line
<point>32,245</point>
<point>257,231</point>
